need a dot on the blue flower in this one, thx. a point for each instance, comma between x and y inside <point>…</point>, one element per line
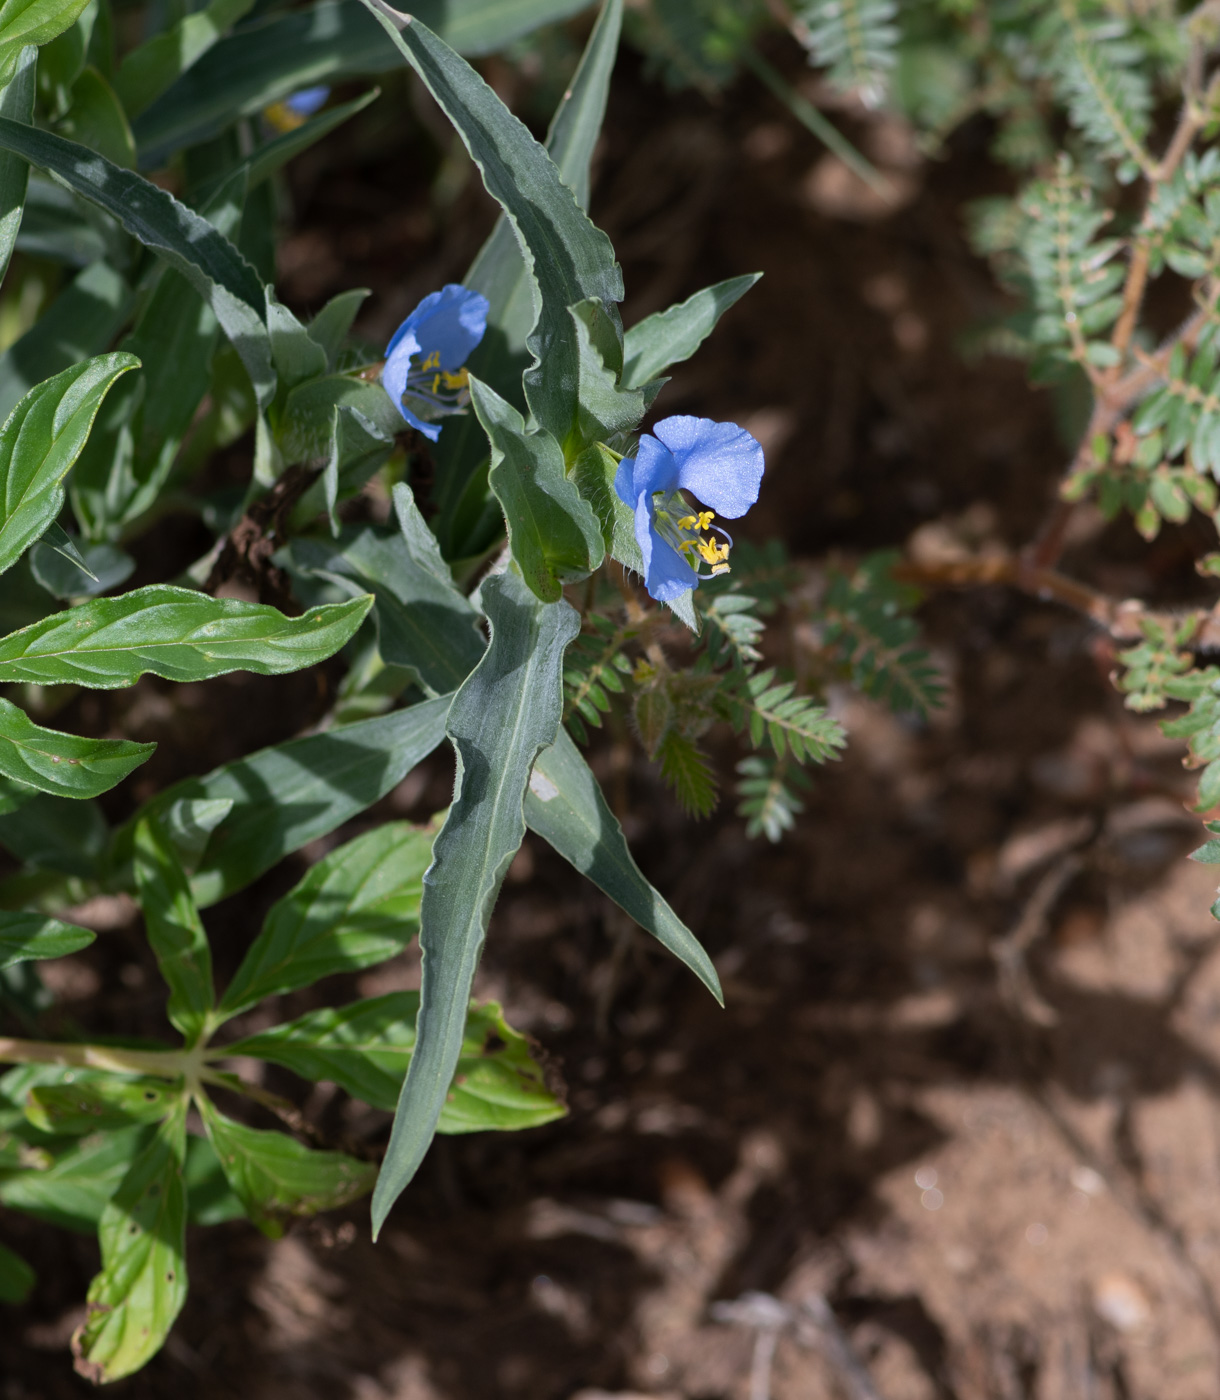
<point>718,463</point>
<point>295,111</point>
<point>423,371</point>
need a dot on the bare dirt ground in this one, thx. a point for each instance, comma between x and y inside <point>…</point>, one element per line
<point>956,1135</point>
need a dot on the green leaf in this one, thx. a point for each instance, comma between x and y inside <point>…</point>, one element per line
<point>506,711</point>
<point>17,1279</point>
<point>286,796</point>
<point>271,58</point>
<point>63,764</point>
<point>149,70</point>
<point>554,535</point>
<point>571,260</point>
<point>71,1189</point>
<point>605,411</point>
<point>500,272</point>
<point>275,1177</point>
<point>16,103</point>
<point>331,325</point>
<point>365,1048</point>
<point>566,807</point>
<point>40,441</point>
<point>96,119</point>
<point>100,568</point>
<point>27,936</point>
<point>687,770</point>
<point>82,320</point>
<point>356,907</point>
<point>175,633</point>
<point>57,833</point>
<point>423,622</point>
<point>210,1199</point>
<point>34,22</point>
<point>175,930</point>
<point>183,238</point>
<point>669,337</point>
<point>135,1299</point>
<point>97,1102</point>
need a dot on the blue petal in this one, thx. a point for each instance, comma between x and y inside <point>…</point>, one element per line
<point>666,574</point>
<point>306,102</point>
<point>403,349</point>
<point>719,463</point>
<point>451,322</point>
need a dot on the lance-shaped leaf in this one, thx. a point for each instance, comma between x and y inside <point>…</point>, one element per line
<point>500,271</point>
<point>175,930</point>
<point>175,633</point>
<point>506,711</point>
<point>55,833</point>
<point>16,103</point>
<point>39,442</point>
<point>96,1102</point>
<point>183,238</point>
<point>423,622</point>
<point>275,1177</point>
<point>70,1189</point>
<point>605,410</point>
<point>24,937</point>
<point>365,1048</point>
<point>552,531</point>
<point>566,807</point>
<point>328,42</point>
<point>297,792</point>
<point>571,259</point>
<point>17,1279</point>
<point>33,22</point>
<point>63,764</point>
<point>82,320</point>
<point>135,1299</point>
<point>358,448</point>
<point>356,907</point>
<point>669,337</point>
<point>149,70</point>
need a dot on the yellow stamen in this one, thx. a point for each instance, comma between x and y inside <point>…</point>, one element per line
<point>432,362</point>
<point>460,380</point>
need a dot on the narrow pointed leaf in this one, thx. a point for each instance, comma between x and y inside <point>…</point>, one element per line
<point>135,1299</point>
<point>275,1177</point>
<point>506,711</point>
<point>572,260</point>
<point>16,103</point>
<point>174,928</point>
<point>97,1102</point>
<point>183,238</point>
<point>365,1048</point>
<point>33,22</point>
<point>71,1189</point>
<point>553,532</point>
<point>27,936</point>
<point>63,764</point>
<point>297,792</point>
<point>175,633</point>
<point>40,441</point>
<point>149,70</point>
<point>17,1279</point>
<point>355,908</point>
<point>566,807</point>
<point>669,337</point>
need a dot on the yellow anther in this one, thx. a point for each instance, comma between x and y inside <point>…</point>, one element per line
<point>689,522</point>
<point>460,380</point>
<point>713,553</point>
<point>705,518</point>
<point>432,362</point>
<point>282,117</point>
<point>688,545</point>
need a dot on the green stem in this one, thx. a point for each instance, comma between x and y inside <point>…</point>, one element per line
<point>163,1064</point>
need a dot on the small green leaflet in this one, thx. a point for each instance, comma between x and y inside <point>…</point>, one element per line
<point>176,633</point>
<point>356,907</point>
<point>39,442</point>
<point>505,712</point>
<point>16,1277</point>
<point>28,936</point>
<point>63,764</point>
<point>183,238</point>
<point>365,1048</point>
<point>669,337</point>
<point>275,1177</point>
<point>565,805</point>
<point>174,929</point>
<point>135,1299</point>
